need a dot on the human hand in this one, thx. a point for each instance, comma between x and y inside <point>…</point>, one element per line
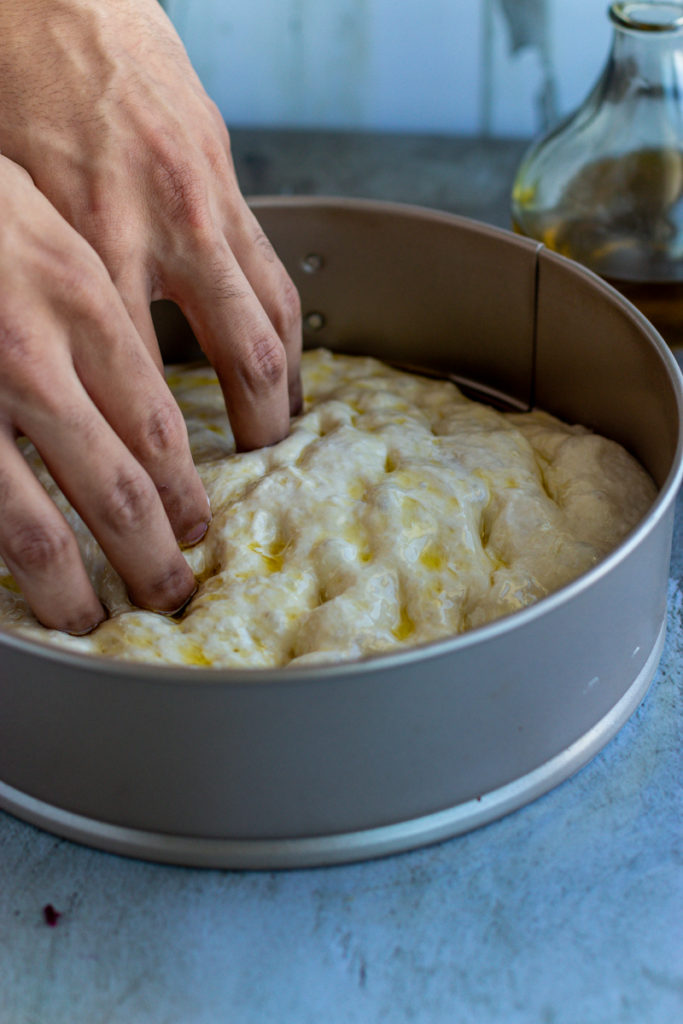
<point>79,383</point>
<point>100,104</point>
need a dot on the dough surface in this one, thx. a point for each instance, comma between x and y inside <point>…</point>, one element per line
<point>396,512</point>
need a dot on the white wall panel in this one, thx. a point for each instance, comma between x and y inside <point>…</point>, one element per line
<point>455,66</point>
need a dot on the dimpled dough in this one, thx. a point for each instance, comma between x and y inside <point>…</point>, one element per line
<point>396,512</point>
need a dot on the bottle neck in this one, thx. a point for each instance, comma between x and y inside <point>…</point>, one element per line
<point>646,58</point>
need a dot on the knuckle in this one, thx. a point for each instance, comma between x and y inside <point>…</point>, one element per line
<point>287,316</point>
<point>116,246</point>
<point>182,192</point>
<point>216,143</point>
<point>130,501</point>
<point>16,346</point>
<point>266,365</point>
<point>85,285</point>
<point>39,547</point>
<point>27,378</point>
<point>264,246</point>
<point>163,431</point>
<point>219,124</point>
<point>217,146</point>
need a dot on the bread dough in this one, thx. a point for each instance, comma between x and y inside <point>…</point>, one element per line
<point>397,512</point>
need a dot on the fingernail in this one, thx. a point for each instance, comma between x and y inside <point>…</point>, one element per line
<point>84,630</point>
<point>178,613</point>
<point>194,535</point>
<point>181,608</point>
<point>168,613</point>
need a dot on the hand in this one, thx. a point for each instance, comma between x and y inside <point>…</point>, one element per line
<point>78,382</point>
<point>100,104</point>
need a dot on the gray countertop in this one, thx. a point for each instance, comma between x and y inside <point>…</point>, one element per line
<point>568,911</point>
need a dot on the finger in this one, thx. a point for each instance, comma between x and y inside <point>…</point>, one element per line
<point>130,281</point>
<point>274,289</point>
<point>137,304</point>
<point>263,269</point>
<point>125,384</point>
<point>40,550</point>
<point>111,492</point>
<point>241,343</point>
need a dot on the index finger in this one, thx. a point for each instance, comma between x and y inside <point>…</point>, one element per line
<point>241,343</point>
<point>274,289</point>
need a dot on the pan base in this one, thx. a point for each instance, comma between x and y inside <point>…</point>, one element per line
<point>312,851</point>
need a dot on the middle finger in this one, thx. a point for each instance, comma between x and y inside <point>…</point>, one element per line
<point>124,382</point>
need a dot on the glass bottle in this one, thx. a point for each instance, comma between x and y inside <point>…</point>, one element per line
<point>606,186</point>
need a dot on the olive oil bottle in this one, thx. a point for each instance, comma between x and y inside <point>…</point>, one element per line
<point>606,186</point>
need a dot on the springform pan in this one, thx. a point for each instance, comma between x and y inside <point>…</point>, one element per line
<point>286,768</point>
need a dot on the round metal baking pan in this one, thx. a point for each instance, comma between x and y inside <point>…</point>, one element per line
<point>286,768</point>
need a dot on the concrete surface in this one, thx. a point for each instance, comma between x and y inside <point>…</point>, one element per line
<point>568,911</point>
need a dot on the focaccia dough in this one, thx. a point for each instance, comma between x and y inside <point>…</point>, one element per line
<point>396,512</point>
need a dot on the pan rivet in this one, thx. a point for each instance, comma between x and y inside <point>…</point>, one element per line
<point>314,321</point>
<point>312,263</point>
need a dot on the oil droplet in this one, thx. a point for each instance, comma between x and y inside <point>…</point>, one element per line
<point>405,627</point>
<point>273,558</point>
<point>431,557</point>
<point>192,654</point>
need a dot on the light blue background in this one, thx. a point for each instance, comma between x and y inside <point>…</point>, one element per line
<point>504,67</point>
